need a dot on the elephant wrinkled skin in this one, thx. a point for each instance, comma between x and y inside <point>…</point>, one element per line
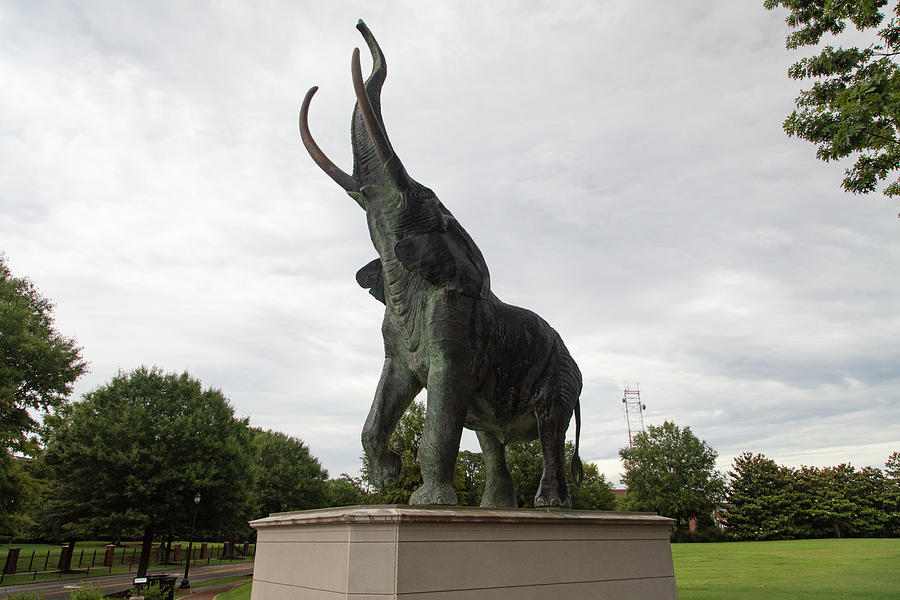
<point>497,369</point>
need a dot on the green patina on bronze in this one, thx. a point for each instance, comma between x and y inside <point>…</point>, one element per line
<point>495,368</point>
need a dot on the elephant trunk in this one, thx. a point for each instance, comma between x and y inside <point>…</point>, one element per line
<point>372,150</point>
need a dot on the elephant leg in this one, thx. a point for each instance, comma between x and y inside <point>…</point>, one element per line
<point>553,489</point>
<point>397,388</point>
<point>499,489</point>
<point>449,395</point>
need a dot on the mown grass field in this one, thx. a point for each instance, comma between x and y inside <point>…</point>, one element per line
<point>241,592</point>
<point>792,570</point>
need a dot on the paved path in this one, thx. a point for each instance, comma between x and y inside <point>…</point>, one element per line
<point>60,589</point>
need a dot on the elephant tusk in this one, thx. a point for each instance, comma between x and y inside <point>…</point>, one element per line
<point>389,159</point>
<point>340,177</point>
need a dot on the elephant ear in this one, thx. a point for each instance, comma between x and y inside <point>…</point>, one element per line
<point>370,278</point>
<point>447,256</point>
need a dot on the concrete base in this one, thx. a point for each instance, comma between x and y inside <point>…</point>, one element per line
<point>462,553</point>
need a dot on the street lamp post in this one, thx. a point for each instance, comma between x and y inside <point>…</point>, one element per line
<point>187,563</point>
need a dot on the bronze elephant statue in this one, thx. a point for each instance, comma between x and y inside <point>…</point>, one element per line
<point>488,366</point>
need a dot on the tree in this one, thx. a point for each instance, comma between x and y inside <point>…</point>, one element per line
<point>892,466</point>
<point>135,451</point>
<point>468,478</point>
<point>892,494</point>
<point>758,506</point>
<point>816,504</point>
<point>405,441</point>
<point>670,471</point>
<point>523,459</point>
<point>853,107</point>
<point>595,492</point>
<point>871,488</point>
<point>19,491</point>
<point>526,467</point>
<point>346,491</point>
<point>767,501</point>
<point>845,502</point>
<point>836,504</point>
<point>38,366</point>
<point>286,476</point>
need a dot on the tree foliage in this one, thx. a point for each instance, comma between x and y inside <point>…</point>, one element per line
<point>404,441</point>
<point>346,491</point>
<point>758,505</point>
<point>769,501</point>
<point>892,499</point>
<point>670,471</point>
<point>468,478</point>
<point>38,366</point>
<point>286,475</point>
<point>527,467</point>
<point>892,466</point>
<point>595,492</point>
<point>853,105</point>
<point>523,459</point>
<point>132,455</point>
<point>19,491</point>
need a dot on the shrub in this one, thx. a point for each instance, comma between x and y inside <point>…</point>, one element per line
<point>86,593</point>
<point>705,534</point>
<point>148,592</point>
<point>26,596</point>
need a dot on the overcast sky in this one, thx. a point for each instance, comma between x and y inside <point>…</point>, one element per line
<point>621,165</point>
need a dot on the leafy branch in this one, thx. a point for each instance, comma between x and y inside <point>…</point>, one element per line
<point>853,106</point>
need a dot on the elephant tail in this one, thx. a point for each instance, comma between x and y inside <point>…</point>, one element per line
<point>575,466</point>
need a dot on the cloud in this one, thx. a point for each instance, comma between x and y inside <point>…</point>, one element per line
<point>622,168</point>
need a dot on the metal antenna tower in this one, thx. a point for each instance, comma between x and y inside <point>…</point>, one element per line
<point>634,410</point>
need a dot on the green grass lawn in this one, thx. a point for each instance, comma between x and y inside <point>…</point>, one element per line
<point>196,587</point>
<point>241,592</point>
<point>792,570</point>
<point>789,570</point>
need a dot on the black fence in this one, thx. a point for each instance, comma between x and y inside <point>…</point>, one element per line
<point>20,566</point>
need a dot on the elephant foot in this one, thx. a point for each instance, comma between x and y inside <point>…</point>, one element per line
<point>432,493</point>
<point>385,470</point>
<point>499,497</point>
<point>551,499</point>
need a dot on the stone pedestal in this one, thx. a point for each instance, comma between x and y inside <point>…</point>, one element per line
<point>462,553</point>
